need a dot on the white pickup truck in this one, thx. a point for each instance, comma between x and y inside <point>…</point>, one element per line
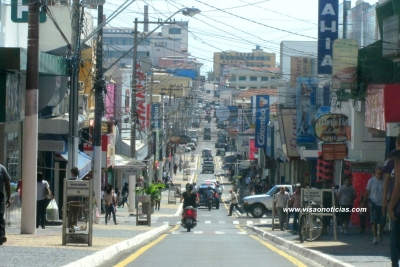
<point>257,205</point>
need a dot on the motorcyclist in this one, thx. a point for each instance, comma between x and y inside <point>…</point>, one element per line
<point>188,197</point>
<point>209,193</point>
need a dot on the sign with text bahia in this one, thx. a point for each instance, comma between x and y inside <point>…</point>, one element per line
<point>19,12</point>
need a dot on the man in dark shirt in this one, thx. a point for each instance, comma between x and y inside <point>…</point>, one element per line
<point>4,182</point>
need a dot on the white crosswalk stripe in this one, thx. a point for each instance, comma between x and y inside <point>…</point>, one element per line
<point>235,222</point>
<point>249,222</point>
<point>207,233</point>
<point>263,221</point>
<point>221,222</point>
<point>207,222</point>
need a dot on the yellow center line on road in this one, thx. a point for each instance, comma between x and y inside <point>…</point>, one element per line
<point>142,250</point>
<point>280,252</point>
<point>173,229</point>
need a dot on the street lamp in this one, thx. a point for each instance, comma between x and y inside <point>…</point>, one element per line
<point>185,11</point>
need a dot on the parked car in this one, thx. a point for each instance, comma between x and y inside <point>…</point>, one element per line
<point>193,140</point>
<point>192,146</point>
<point>257,205</point>
<point>220,152</point>
<point>221,142</point>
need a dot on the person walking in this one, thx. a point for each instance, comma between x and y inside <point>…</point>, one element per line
<point>374,195</point>
<point>158,199</point>
<point>295,200</point>
<point>109,202</point>
<point>175,168</point>
<point>4,182</point>
<point>234,202</point>
<point>281,200</point>
<point>42,192</point>
<point>125,191</point>
<point>346,196</point>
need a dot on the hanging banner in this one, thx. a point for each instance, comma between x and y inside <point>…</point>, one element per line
<point>155,116</point>
<point>252,149</point>
<point>262,119</point>
<point>305,103</point>
<point>345,58</point>
<point>142,107</point>
<point>328,11</point>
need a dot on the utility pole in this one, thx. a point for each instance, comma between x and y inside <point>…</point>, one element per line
<point>73,139</point>
<point>30,124</point>
<point>134,117</point>
<point>99,107</point>
<point>133,94</point>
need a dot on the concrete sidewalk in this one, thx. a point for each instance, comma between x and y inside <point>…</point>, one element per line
<point>351,249</point>
<point>45,247</point>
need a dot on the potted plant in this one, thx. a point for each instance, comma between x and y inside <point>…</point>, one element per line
<point>154,190</point>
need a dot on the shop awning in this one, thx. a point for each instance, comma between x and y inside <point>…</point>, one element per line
<point>141,149</point>
<point>124,162</point>
<point>84,163</point>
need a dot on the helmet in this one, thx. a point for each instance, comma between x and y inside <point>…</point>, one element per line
<point>189,187</point>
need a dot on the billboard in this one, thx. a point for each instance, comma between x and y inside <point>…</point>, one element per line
<point>345,56</point>
<point>332,128</point>
<point>305,103</point>
<point>299,67</point>
<point>328,11</point>
<point>374,107</point>
<point>262,119</point>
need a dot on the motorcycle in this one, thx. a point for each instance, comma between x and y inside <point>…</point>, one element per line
<point>189,220</point>
<point>209,202</point>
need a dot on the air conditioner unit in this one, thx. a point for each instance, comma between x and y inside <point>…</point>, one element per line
<point>81,87</point>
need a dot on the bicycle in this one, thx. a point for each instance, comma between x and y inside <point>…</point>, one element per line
<point>311,225</point>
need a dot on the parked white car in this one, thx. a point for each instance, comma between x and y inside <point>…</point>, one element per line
<point>257,205</point>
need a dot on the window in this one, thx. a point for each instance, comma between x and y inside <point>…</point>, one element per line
<point>264,79</point>
<point>242,87</point>
<point>174,30</point>
<point>160,44</point>
<point>253,78</point>
<point>242,78</point>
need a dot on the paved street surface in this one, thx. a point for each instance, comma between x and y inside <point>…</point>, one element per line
<point>218,240</point>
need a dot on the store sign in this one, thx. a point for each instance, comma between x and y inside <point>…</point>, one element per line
<point>19,12</point>
<point>142,107</point>
<point>262,119</point>
<point>155,116</point>
<point>332,127</point>
<point>328,11</point>
<point>334,152</point>
<point>305,109</point>
<point>363,167</point>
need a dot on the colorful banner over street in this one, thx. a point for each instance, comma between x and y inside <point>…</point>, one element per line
<point>328,11</point>
<point>345,57</point>
<point>262,119</point>
<point>305,103</point>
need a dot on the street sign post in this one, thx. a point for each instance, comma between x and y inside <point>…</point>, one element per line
<point>19,12</point>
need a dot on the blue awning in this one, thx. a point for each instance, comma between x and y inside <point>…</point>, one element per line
<point>84,163</point>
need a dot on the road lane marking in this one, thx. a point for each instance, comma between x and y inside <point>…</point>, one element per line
<point>263,221</point>
<point>249,222</point>
<point>235,222</point>
<point>219,233</point>
<point>221,222</point>
<point>142,250</point>
<point>197,232</point>
<point>207,222</point>
<point>173,229</point>
<point>280,252</point>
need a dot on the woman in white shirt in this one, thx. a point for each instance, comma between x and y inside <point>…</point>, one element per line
<point>41,200</point>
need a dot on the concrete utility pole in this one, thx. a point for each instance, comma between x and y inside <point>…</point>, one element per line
<point>73,139</point>
<point>134,119</point>
<point>30,125</point>
<point>99,108</point>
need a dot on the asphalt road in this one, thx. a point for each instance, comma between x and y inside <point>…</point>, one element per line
<point>218,240</point>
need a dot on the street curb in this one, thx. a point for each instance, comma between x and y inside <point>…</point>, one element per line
<point>313,255</point>
<point>100,257</point>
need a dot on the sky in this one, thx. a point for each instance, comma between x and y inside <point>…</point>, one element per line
<point>222,25</point>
